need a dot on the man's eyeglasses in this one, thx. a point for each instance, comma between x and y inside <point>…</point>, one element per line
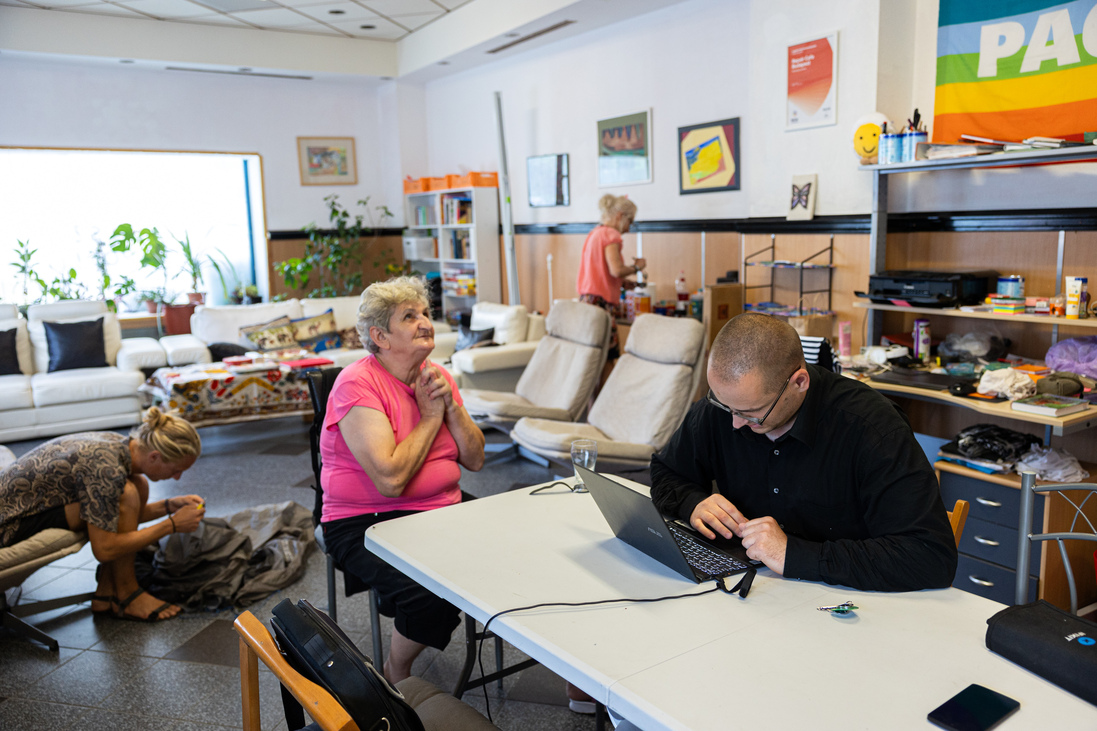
<point>751,419</point>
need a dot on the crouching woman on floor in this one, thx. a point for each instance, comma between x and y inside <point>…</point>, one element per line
<point>99,482</point>
<point>393,438</point>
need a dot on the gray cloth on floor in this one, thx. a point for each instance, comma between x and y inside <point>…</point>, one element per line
<point>216,566</point>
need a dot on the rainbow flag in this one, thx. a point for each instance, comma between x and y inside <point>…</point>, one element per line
<point>1011,69</point>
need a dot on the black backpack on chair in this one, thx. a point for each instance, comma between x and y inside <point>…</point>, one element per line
<point>319,650</point>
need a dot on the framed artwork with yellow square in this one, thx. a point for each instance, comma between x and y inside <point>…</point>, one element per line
<point>709,157</point>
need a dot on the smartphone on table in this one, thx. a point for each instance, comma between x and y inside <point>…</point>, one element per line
<point>975,708</point>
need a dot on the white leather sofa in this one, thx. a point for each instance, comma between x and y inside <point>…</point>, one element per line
<point>222,325</point>
<point>498,367</point>
<point>36,403</point>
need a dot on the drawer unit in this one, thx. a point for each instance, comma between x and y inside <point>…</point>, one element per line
<point>995,543</point>
<point>989,501</point>
<point>990,580</point>
<point>988,547</point>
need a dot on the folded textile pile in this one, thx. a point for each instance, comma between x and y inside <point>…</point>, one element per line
<point>231,562</point>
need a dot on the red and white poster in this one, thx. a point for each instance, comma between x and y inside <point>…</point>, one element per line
<point>813,83</point>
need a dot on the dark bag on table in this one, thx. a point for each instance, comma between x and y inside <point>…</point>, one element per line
<point>317,648</point>
<point>1054,644</point>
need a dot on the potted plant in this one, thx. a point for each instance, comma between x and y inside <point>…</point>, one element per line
<point>152,298</point>
<point>332,262</point>
<point>192,267</point>
<point>24,266</point>
<point>247,294</point>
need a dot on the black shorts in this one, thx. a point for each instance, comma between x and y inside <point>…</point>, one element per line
<point>31,524</point>
<point>418,614</point>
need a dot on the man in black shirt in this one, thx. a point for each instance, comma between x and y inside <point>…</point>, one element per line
<point>818,474</point>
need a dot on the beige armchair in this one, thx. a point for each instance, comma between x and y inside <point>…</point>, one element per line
<point>561,375</point>
<point>641,404</point>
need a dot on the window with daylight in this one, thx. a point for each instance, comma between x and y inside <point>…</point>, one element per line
<point>65,205</point>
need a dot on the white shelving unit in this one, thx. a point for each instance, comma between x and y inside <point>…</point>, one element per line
<point>464,226</point>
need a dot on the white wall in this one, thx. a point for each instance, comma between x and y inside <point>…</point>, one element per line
<point>64,104</point>
<point>776,155</point>
<point>694,62</point>
<point>687,63</point>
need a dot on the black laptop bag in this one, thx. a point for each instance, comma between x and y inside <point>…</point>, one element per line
<point>317,648</point>
<point>1054,644</point>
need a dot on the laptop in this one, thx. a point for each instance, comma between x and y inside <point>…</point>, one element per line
<point>636,521</point>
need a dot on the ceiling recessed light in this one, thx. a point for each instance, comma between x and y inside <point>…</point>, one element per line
<point>126,60</point>
<point>337,12</point>
<point>512,35</point>
<point>368,27</point>
<point>443,63</point>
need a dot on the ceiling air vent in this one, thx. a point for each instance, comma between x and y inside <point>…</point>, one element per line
<point>531,36</point>
<point>238,73</point>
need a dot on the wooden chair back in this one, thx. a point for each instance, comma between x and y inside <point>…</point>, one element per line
<point>957,517</point>
<point>256,643</point>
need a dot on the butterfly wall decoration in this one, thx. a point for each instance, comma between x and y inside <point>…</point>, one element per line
<point>800,195</point>
<point>801,206</point>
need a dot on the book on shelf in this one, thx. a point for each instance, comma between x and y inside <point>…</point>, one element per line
<point>985,140</point>
<point>948,151</point>
<point>1048,404</point>
<point>1052,143</point>
<point>459,247</point>
<point>985,466</point>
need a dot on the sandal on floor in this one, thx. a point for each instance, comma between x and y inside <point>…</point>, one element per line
<point>154,615</point>
<point>110,599</point>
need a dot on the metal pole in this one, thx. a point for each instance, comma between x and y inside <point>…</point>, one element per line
<point>1024,530</point>
<point>511,264</point>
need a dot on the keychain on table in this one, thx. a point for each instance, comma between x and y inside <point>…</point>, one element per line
<point>844,609</point>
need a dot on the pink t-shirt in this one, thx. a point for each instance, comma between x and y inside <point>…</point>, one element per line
<point>594,276</point>
<point>348,490</point>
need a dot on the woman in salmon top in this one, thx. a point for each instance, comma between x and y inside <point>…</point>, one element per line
<point>394,436</point>
<point>602,270</point>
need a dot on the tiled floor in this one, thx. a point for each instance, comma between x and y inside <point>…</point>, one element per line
<point>182,674</point>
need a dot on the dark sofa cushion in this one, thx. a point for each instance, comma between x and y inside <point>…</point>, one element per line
<point>75,345</point>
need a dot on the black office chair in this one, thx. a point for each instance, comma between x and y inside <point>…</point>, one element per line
<point>320,383</point>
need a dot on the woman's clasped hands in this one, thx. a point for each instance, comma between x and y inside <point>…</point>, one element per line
<point>432,391</point>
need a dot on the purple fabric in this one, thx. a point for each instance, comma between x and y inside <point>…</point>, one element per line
<point>1076,355</point>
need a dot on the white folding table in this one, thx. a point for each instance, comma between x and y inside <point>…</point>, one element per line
<point>715,661</point>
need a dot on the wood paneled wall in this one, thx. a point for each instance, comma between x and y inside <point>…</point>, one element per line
<point>1030,254</point>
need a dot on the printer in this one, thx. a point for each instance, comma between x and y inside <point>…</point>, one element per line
<point>929,289</point>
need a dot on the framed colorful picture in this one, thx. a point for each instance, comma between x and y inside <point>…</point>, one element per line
<point>708,157</point>
<point>624,150</point>
<point>327,161</point>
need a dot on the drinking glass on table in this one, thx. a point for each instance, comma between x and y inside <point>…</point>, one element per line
<point>584,452</point>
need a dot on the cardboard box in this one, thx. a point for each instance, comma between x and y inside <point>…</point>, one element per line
<point>817,326</point>
<point>721,303</point>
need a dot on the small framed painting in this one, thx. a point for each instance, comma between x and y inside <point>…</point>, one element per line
<point>801,206</point>
<point>624,150</point>
<point>708,157</point>
<point>327,161</point>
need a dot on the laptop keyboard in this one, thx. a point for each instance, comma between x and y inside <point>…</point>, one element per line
<point>703,558</point>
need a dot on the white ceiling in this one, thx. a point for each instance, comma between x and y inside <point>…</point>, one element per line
<point>383,20</point>
<point>417,40</point>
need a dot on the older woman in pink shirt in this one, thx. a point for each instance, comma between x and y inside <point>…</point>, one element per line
<point>395,434</point>
<point>602,269</point>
